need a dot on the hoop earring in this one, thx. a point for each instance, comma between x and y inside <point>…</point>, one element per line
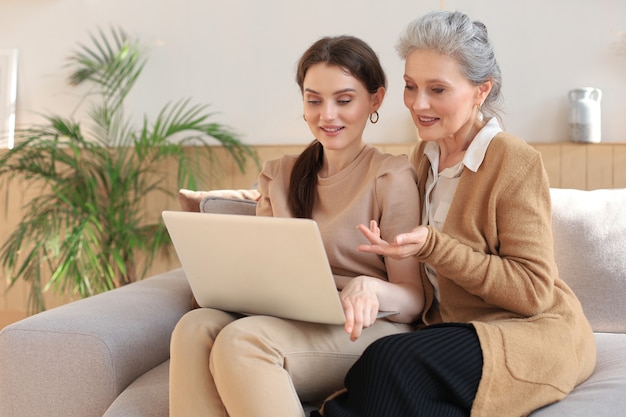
<point>374,117</point>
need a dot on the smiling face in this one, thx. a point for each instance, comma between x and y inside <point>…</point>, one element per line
<point>442,102</point>
<point>337,106</point>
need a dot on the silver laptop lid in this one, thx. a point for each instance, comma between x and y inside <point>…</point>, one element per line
<point>256,265</point>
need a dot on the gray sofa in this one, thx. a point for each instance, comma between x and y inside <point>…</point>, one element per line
<point>108,355</point>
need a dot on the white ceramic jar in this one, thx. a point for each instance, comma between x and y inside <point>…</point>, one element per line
<point>584,115</point>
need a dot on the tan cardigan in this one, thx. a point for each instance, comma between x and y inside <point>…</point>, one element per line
<point>495,267</point>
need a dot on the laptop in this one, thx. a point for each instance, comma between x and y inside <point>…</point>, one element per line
<point>257,265</point>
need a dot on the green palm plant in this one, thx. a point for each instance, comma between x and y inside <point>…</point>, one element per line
<point>86,231</point>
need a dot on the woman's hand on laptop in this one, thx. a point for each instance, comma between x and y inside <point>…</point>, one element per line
<point>360,304</point>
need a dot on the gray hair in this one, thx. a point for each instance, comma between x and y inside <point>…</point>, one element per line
<point>453,34</point>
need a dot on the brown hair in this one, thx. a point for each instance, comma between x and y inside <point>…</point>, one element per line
<point>359,60</point>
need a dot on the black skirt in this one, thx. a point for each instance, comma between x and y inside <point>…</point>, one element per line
<point>432,372</point>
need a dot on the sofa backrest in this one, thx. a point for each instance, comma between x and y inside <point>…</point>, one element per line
<point>589,229</point>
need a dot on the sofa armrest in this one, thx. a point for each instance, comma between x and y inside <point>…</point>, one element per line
<point>75,360</point>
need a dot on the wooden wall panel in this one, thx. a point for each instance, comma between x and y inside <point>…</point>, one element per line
<point>584,166</point>
<point>265,153</point>
<point>599,173</point>
<point>619,166</point>
<point>154,204</point>
<point>568,164</point>
<point>573,172</point>
<point>13,300</point>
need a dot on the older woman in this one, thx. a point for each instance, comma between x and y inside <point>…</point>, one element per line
<point>501,334</point>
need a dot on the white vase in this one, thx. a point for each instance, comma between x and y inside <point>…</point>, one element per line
<point>584,115</point>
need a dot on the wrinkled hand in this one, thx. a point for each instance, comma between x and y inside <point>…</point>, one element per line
<point>360,304</point>
<point>403,246</point>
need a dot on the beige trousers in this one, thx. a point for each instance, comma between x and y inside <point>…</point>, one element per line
<point>222,365</point>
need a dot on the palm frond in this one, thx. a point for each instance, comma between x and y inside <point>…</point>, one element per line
<point>111,67</point>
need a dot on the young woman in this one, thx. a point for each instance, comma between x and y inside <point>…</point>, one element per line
<point>502,334</point>
<point>258,366</point>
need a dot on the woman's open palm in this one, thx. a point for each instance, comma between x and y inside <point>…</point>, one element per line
<point>403,246</point>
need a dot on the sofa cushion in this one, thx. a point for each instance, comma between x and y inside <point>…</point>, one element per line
<point>590,249</point>
<point>192,200</point>
<point>213,204</point>
<point>146,396</point>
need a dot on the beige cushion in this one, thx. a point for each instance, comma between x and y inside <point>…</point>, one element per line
<point>590,248</point>
<point>190,200</point>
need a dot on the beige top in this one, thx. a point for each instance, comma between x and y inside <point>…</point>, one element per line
<point>375,186</point>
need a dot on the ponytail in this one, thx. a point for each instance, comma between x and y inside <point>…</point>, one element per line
<point>303,181</point>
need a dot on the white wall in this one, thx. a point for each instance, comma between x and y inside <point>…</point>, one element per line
<point>240,56</point>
